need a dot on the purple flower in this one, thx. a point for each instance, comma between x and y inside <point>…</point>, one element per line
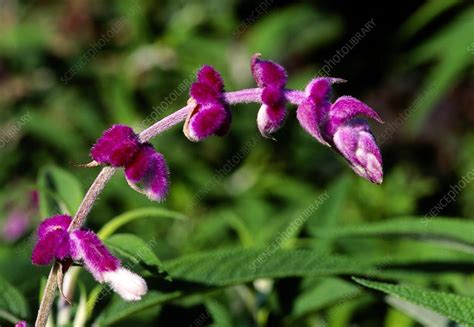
<point>149,169</point>
<point>337,125</point>
<point>117,146</point>
<point>54,242</point>
<point>211,115</point>
<point>88,248</point>
<point>21,323</point>
<point>271,78</point>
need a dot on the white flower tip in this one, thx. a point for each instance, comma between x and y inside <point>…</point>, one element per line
<point>130,286</point>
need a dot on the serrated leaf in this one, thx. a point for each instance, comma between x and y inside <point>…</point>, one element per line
<point>446,230</point>
<point>11,300</point>
<point>59,192</point>
<point>118,309</point>
<point>129,216</point>
<point>236,266</point>
<point>456,307</point>
<point>133,248</point>
<point>421,314</point>
<point>220,268</point>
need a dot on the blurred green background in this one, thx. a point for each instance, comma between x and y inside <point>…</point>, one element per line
<point>70,69</point>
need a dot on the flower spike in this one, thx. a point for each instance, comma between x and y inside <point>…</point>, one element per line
<point>210,115</point>
<point>272,78</point>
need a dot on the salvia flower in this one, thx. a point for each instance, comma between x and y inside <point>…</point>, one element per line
<point>145,169</point>
<point>55,242</point>
<point>338,125</point>
<point>97,259</point>
<point>271,78</point>
<point>211,114</point>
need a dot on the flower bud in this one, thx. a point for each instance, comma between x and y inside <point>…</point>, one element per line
<point>210,115</point>
<point>271,77</point>
<point>358,146</point>
<point>117,146</point>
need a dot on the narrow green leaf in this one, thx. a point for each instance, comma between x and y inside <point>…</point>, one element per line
<point>236,266</point>
<point>407,311</point>
<point>133,248</point>
<point>425,14</point>
<point>446,230</point>
<point>11,300</point>
<point>456,307</point>
<point>129,216</point>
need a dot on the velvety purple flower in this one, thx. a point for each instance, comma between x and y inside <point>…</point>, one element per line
<point>21,324</point>
<point>337,125</point>
<point>117,146</point>
<point>97,259</point>
<point>148,173</point>
<point>211,115</point>
<point>271,78</point>
<point>88,248</point>
<point>53,240</point>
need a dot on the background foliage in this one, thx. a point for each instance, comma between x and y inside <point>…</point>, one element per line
<point>224,249</point>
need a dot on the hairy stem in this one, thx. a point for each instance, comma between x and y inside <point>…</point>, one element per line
<point>235,97</point>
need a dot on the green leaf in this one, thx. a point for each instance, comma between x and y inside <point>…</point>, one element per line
<point>446,230</point>
<point>133,248</point>
<point>328,292</point>
<point>11,300</point>
<point>451,64</point>
<point>236,266</point>
<point>456,307</point>
<point>60,192</point>
<point>127,217</point>
<point>425,14</point>
<point>118,309</point>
